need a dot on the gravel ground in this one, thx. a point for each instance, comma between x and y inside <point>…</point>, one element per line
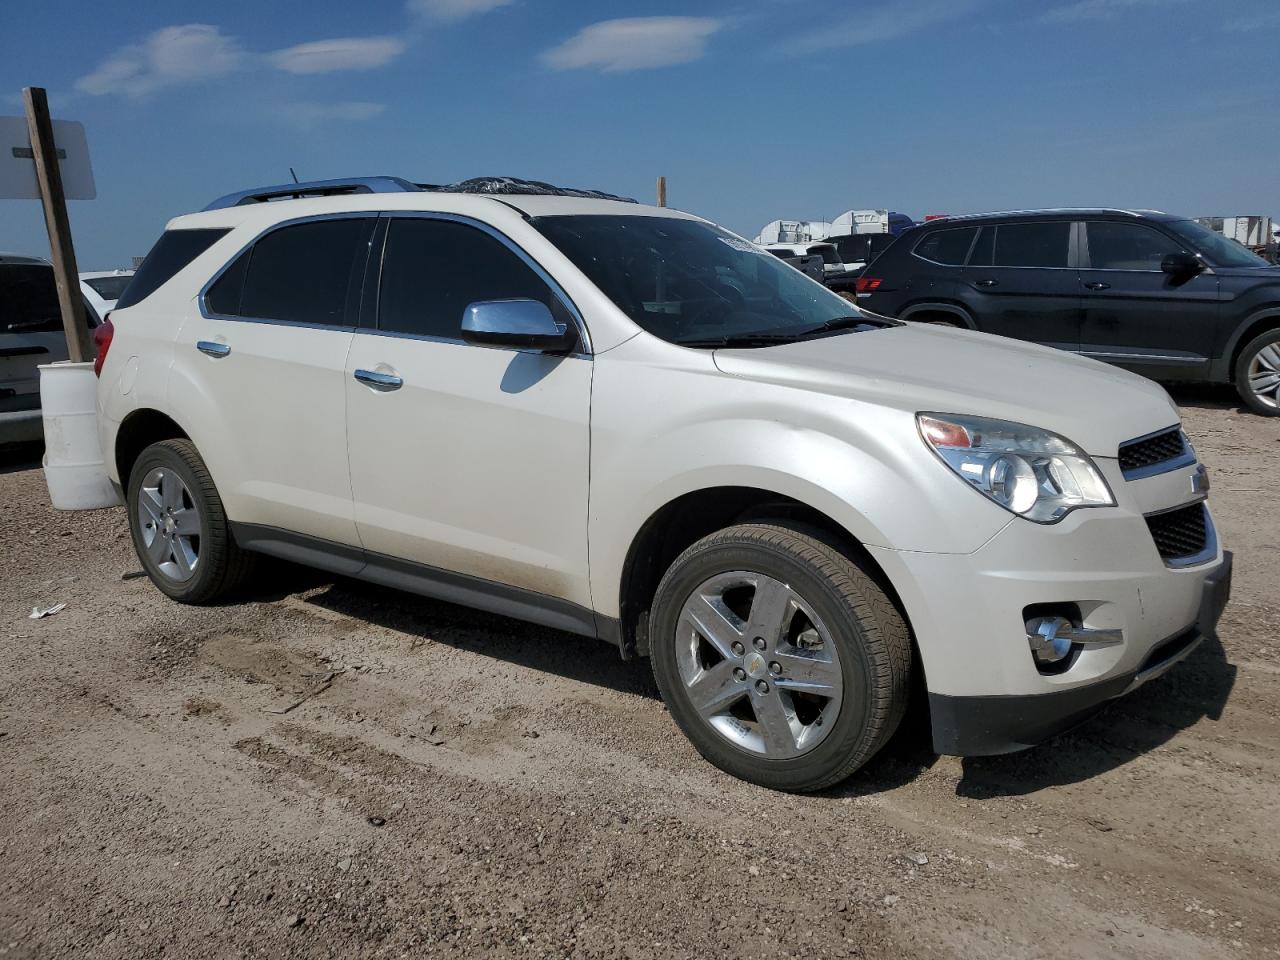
<point>331,769</point>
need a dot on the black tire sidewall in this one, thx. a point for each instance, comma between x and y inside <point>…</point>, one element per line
<point>164,455</point>
<point>853,724</point>
<point>1242,373</point>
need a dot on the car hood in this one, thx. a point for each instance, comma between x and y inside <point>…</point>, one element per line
<point>919,367</point>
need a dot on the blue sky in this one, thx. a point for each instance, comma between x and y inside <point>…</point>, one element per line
<point>754,110</point>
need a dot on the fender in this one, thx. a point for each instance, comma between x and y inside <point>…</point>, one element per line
<point>1222,368</point>
<point>952,309</point>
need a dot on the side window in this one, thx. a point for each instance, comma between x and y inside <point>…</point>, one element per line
<point>949,247</point>
<point>173,251</point>
<point>1033,244</point>
<point>1128,246</point>
<point>434,269</point>
<point>28,299</point>
<point>983,249</point>
<point>302,274</point>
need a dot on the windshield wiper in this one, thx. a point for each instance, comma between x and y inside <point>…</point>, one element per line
<point>742,340</point>
<point>851,322</point>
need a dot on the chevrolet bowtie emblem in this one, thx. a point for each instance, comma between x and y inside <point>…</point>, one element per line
<point>1200,480</point>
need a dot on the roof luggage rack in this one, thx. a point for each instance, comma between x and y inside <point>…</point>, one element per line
<point>354,185</point>
<point>315,188</point>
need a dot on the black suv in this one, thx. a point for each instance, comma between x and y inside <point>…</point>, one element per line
<point>1161,295</point>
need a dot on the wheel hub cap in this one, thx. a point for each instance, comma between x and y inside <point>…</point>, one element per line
<point>169,522</point>
<point>758,665</point>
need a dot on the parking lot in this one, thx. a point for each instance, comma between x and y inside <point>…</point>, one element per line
<point>331,769</point>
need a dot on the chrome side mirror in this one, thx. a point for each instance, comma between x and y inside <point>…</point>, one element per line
<point>524,324</point>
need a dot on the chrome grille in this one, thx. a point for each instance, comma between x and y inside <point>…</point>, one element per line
<point>1154,454</point>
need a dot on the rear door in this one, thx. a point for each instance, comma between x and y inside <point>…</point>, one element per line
<point>468,459</point>
<point>1021,281</point>
<point>1137,316</point>
<point>259,373</point>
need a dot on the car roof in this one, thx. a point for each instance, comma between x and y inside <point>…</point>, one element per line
<point>97,274</point>
<point>480,205</point>
<point>1053,213</point>
<point>15,258</point>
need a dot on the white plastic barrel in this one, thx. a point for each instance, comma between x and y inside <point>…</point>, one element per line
<point>74,469</point>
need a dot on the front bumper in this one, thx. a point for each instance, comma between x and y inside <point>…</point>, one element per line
<point>977,725</point>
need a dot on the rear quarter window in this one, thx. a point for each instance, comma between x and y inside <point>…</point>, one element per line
<point>173,251</point>
<point>948,247</point>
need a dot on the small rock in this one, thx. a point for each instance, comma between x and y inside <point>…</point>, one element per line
<point>919,859</point>
<point>344,864</point>
<point>377,822</point>
<point>224,902</point>
<point>753,870</point>
<point>531,734</point>
<point>293,920</point>
<point>891,899</point>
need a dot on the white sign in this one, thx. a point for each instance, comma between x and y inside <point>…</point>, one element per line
<point>18,169</point>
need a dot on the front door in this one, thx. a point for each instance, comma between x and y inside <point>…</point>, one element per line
<point>464,458</point>
<point>259,375</point>
<point>1137,316</point>
<point>1023,283</point>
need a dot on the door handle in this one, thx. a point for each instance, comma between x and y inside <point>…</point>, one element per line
<point>1097,285</point>
<point>378,380</point>
<point>213,349</point>
<point>986,283</point>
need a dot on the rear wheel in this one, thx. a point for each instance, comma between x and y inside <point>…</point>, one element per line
<point>179,528</point>
<point>1258,374</point>
<point>780,659</point>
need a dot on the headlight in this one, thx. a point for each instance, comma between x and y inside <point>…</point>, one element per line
<point>1033,473</point>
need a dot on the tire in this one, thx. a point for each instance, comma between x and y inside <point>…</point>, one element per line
<point>1257,374</point>
<point>179,527</point>
<point>838,627</point>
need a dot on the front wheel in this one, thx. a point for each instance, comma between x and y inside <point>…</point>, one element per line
<point>782,661</point>
<point>1258,374</point>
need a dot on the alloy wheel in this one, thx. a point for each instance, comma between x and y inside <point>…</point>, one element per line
<point>1264,375</point>
<point>170,524</point>
<point>758,665</point>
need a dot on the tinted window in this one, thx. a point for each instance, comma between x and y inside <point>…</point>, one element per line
<point>982,250</point>
<point>1033,244</point>
<point>303,273</point>
<point>826,251</point>
<point>947,246</point>
<point>28,299</point>
<point>224,296</point>
<point>434,269</point>
<point>173,251</point>
<point>108,288</point>
<point>1128,246</point>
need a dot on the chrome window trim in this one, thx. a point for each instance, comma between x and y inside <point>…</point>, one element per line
<point>1163,358</point>
<point>270,321</point>
<point>584,336</point>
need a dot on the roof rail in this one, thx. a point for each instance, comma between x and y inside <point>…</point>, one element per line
<point>315,188</point>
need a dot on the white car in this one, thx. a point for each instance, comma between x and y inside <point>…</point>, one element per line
<point>102,289</point>
<point>628,423</point>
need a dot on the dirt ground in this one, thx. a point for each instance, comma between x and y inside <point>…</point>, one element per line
<point>331,769</point>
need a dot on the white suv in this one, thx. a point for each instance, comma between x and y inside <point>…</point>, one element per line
<point>628,423</point>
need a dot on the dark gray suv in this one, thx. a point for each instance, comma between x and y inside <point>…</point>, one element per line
<point>1159,294</point>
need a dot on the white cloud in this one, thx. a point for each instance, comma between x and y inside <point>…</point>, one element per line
<point>173,55</point>
<point>453,9</point>
<point>344,53</point>
<point>885,22</point>
<point>1102,9</point>
<point>1247,23</point>
<point>634,43</point>
<point>308,114</point>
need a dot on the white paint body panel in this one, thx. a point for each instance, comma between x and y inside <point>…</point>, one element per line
<point>538,472</point>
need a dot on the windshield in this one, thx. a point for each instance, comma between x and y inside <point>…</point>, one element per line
<point>691,283</point>
<point>109,288</point>
<point>1221,251</point>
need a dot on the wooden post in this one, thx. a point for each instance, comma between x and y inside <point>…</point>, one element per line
<point>662,191</point>
<point>45,156</point>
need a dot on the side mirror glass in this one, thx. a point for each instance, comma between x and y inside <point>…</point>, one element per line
<point>524,324</point>
<point>1181,265</point>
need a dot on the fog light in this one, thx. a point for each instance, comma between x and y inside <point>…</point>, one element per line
<point>1050,639</point>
